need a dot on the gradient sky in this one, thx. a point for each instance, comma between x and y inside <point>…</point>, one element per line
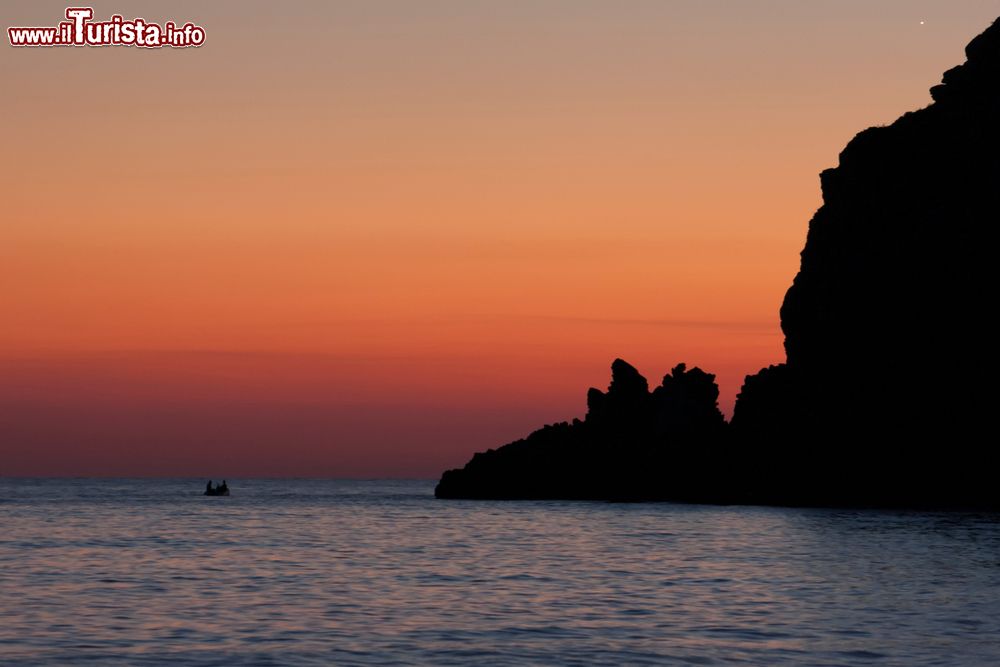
<point>370,238</point>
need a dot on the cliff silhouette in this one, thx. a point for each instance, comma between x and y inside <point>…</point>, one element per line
<point>886,395</point>
<point>633,445</point>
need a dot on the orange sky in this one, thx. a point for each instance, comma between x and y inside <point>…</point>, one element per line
<point>374,237</point>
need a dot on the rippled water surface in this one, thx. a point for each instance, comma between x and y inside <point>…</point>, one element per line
<point>335,572</point>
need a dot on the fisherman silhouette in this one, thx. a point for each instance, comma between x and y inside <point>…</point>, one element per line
<point>208,488</point>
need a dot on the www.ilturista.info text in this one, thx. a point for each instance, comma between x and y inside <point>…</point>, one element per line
<point>79,30</point>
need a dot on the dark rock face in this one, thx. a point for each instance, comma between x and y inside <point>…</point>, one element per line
<point>887,395</point>
<point>633,445</point>
<point>888,385</point>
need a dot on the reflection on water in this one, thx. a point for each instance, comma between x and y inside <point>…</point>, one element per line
<point>150,572</point>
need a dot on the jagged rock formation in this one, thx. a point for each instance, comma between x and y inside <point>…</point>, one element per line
<point>887,392</point>
<point>633,445</point>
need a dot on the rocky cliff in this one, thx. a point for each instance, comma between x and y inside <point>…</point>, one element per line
<point>887,394</point>
<point>633,445</point>
<point>888,390</point>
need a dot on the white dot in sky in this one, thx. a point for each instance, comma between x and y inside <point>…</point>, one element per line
<point>923,22</point>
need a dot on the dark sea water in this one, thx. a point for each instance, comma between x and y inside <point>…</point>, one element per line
<point>131,572</point>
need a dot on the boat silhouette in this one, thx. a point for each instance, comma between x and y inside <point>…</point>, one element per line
<point>220,490</point>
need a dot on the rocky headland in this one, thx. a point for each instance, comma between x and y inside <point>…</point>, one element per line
<point>887,392</point>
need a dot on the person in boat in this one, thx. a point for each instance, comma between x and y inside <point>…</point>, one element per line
<point>208,488</point>
<point>223,488</point>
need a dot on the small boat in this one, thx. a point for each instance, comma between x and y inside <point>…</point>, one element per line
<point>220,490</point>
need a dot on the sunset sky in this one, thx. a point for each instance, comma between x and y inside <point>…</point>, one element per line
<point>369,238</point>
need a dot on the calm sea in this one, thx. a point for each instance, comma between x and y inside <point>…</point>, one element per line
<point>136,572</point>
